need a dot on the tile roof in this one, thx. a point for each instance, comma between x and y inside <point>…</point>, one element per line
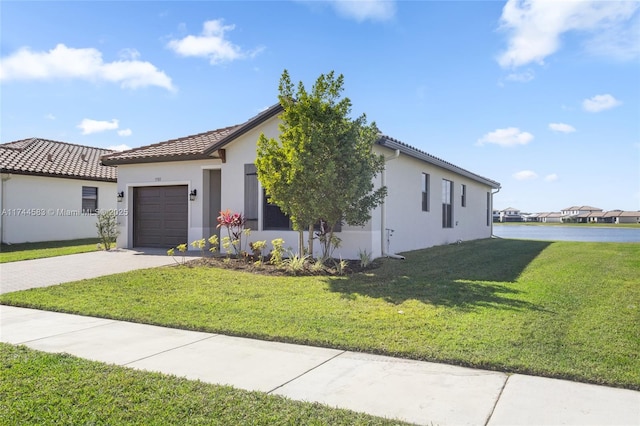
<point>204,146</point>
<point>193,147</point>
<point>43,157</point>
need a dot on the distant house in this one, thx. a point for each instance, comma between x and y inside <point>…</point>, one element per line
<point>52,190</point>
<point>550,217</point>
<point>620,216</point>
<point>510,215</point>
<point>175,189</point>
<point>580,214</point>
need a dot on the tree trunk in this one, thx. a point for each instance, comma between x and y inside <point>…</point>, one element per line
<point>311,241</point>
<point>301,242</point>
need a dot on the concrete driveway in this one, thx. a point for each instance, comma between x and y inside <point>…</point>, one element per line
<point>15,276</point>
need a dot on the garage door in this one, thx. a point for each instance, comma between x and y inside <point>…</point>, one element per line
<point>160,216</point>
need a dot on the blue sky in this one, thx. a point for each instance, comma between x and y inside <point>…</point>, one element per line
<point>542,96</point>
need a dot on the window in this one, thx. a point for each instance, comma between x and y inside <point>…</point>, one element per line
<point>447,207</point>
<point>463,195</point>
<point>89,199</point>
<point>272,216</point>
<point>488,208</point>
<point>425,192</point>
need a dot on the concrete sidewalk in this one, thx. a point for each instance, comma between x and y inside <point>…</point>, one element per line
<point>15,276</point>
<point>418,392</point>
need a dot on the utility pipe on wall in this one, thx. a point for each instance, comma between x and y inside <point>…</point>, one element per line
<point>383,209</point>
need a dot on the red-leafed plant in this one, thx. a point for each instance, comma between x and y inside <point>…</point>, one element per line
<point>234,223</point>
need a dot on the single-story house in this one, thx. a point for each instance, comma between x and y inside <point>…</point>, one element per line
<point>620,216</point>
<point>550,217</point>
<point>174,190</point>
<point>52,190</point>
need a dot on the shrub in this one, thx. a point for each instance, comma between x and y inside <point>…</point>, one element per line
<point>107,228</point>
<point>234,224</point>
<point>277,252</point>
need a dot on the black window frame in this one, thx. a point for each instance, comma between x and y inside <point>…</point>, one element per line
<point>273,218</point>
<point>89,199</point>
<point>426,179</point>
<point>463,195</point>
<point>447,203</point>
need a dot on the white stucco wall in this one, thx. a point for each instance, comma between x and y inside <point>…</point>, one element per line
<point>38,208</point>
<point>413,228</point>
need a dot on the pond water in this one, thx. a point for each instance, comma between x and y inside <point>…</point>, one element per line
<point>568,233</point>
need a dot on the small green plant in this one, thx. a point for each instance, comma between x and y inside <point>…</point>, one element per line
<point>296,263</point>
<point>365,258</point>
<point>182,248</point>
<point>277,252</point>
<point>200,245</point>
<point>341,267</point>
<point>226,245</point>
<point>317,266</point>
<point>107,228</point>
<point>257,248</point>
<point>214,242</point>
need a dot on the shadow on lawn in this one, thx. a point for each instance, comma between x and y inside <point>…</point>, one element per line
<point>468,275</point>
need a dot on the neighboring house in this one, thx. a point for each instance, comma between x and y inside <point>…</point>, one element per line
<point>510,215</point>
<point>51,190</point>
<point>175,189</point>
<point>550,217</point>
<point>619,216</point>
<point>579,213</point>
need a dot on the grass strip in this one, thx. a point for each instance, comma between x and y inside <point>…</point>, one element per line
<point>556,309</point>
<point>38,388</point>
<point>28,251</point>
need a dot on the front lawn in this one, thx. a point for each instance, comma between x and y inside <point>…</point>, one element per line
<point>27,251</point>
<point>563,309</point>
<point>38,388</point>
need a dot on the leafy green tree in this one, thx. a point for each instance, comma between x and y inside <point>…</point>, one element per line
<point>323,165</point>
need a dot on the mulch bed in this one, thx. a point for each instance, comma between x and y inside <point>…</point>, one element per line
<point>265,268</point>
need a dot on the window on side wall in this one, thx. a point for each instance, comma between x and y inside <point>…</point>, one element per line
<point>463,195</point>
<point>89,199</point>
<point>272,217</point>
<point>447,207</point>
<point>425,192</point>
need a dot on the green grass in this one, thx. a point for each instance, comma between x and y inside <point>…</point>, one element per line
<point>27,251</point>
<point>563,309</point>
<point>37,388</point>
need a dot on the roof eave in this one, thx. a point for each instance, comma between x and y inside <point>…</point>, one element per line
<point>415,153</point>
<point>156,159</point>
<point>249,125</point>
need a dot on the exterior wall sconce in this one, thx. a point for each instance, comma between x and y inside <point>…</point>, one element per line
<point>193,194</point>
<point>120,196</point>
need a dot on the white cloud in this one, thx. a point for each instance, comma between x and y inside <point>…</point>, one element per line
<point>600,103</point>
<point>86,64</point>
<point>129,53</point>
<point>521,77</point>
<point>562,127</point>
<point>525,175</point>
<point>362,10</point>
<point>511,136</point>
<point>89,126</point>
<point>50,116</point>
<point>211,44</point>
<point>535,27</point>
<point>124,132</point>
<point>551,178</point>
<point>121,147</point>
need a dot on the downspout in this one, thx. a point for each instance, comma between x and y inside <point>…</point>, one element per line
<point>383,208</point>
<point>3,178</point>
<point>492,194</point>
